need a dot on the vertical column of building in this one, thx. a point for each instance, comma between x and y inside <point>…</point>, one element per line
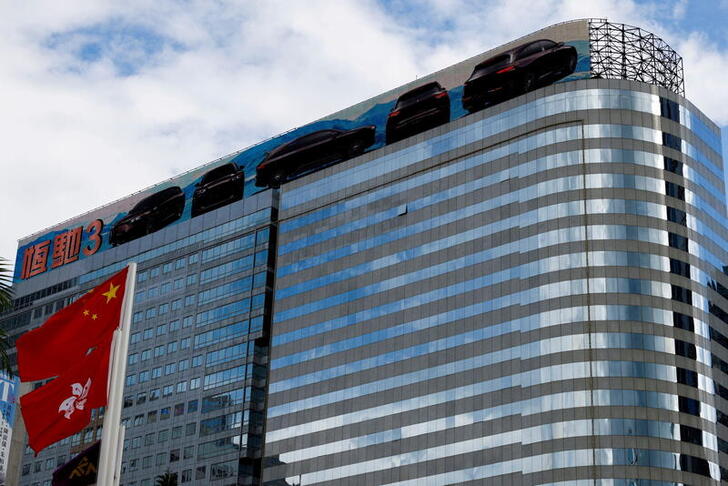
<point>681,282</point>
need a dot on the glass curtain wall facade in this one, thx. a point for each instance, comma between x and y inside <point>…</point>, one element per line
<point>194,395</point>
<point>533,294</point>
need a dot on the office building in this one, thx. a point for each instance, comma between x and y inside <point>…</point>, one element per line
<point>508,271</point>
<point>8,389</point>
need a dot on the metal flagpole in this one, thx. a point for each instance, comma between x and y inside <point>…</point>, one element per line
<point>119,453</point>
<point>111,437</point>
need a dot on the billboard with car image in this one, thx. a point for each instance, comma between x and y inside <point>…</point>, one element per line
<point>556,54</point>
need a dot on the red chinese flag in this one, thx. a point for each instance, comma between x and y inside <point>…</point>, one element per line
<point>62,407</point>
<point>65,338</point>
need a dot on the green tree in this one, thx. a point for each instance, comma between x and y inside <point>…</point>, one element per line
<point>167,479</point>
<point>6,302</point>
<point>6,280</point>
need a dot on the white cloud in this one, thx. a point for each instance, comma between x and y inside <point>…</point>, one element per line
<point>705,66</point>
<point>77,135</point>
<point>679,9</point>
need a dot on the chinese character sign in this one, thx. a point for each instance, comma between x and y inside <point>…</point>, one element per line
<point>63,248</point>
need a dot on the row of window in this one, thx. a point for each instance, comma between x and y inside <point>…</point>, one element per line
<point>543,375</point>
<point>161,459</point>
<point>162,436</point>
<point>567,459</point>
<point>161,330</point>
<point>160,350</point>
<point>206,276</point>
<point>535,294</point>
<point>539,405</point>
<point>482,335</point>
<point>259,238</point>
<point>228,332</point>
<point>549,162</point>
<point>166,390</point>
<point>245,284</point>
<point>596,206</point>
<point>166,268</point>
<point>258,218</point>
<point>529,435</point>
<point>594,232</point>
<point>246,305</point>
<point>217,251</point>
<point>238,352</point>
<point>244,327</point>
<point>162,290</point>
<point>558,135</point>
<point>236,266</point>
<point>577,314</point>
<point>526,378</point>
<point>534,217</point>
<point>543,239</point>
<point>38,466</point>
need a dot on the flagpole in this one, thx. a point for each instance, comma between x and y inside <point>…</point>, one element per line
<point>119,454</point>
<point>111,447</point>
<point>110,434</point>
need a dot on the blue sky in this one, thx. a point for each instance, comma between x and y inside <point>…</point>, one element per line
<point>101,99</point>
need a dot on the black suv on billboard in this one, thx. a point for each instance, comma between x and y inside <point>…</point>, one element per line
<point>149,215</point>
<point>417,110</point>
<point>517,71</point>
<point>310,152</point>
<point>218,187</point>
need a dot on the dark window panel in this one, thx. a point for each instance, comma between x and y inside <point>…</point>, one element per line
<point>679,267</point>
<point>674,166</point>
<point>682,294</point>
<point>675,190</point>
<point>671,141</point>
<point>691,434</point>
<point>677,216</point>
<point>669,109</point>
<point>686,349</point>
<point>687,377</point>
<point>677,241</point>
<point>683,322</point>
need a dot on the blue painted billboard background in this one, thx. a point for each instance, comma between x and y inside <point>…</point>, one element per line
<point>9,388</point>
<point>370,112</point>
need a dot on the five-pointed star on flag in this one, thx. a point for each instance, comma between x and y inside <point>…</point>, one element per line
<point>86,312</point>
<point>111,293</point>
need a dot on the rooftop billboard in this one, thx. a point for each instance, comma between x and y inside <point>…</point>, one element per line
<point>556,54</point>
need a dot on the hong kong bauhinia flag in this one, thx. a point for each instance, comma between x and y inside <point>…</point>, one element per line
<point>67,335</point>
<point>74,345</point>
<point>62,407</point>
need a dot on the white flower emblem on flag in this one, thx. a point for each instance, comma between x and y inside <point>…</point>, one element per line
<point>76,401</point>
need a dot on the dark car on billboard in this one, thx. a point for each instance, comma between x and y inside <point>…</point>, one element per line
<point>517,71</point>
<point>149,215</point>
<point>310,152</point>
<point>218,187</point>
<point>417,110</point>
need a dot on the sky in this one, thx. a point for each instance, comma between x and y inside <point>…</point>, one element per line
<point>100,99</point>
